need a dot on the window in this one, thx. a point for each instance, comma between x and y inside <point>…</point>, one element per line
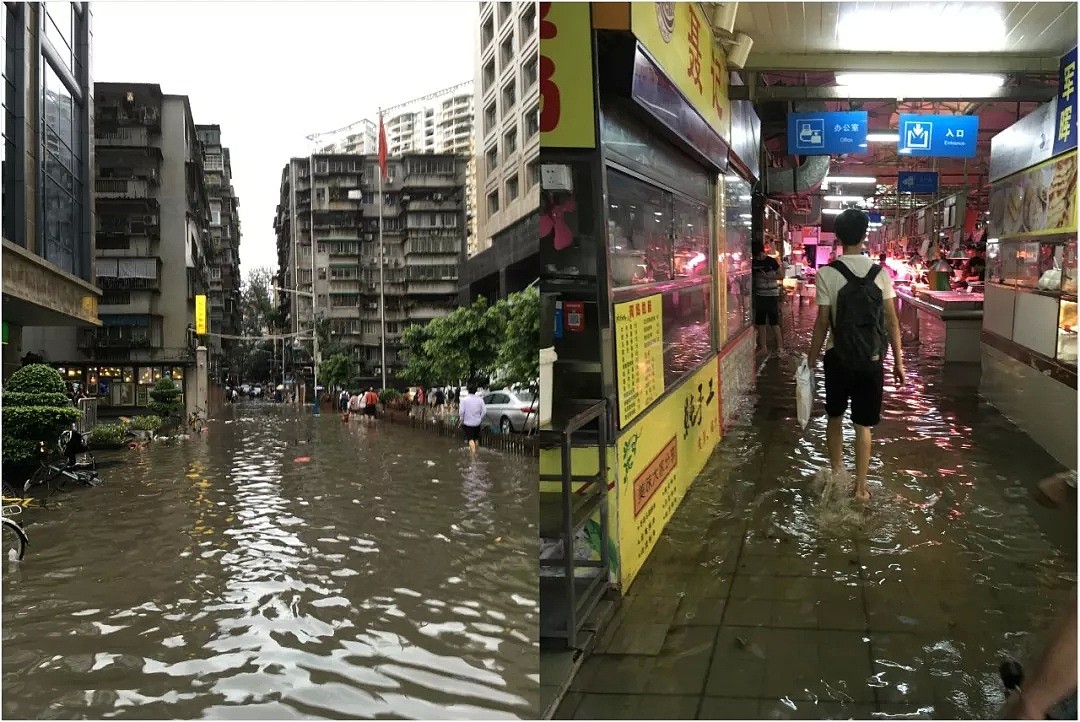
<point>532,122</point>
<point>116,298</point>
<point>493,202</point>
<point>489,74</point>
<point>736,255</point>
<point>505,9</point>
<point>534,173</point>
<point>511,188</point>
<point>528,20</point>
<point>62,188</point>
<point>212,161</point>
<point>492,157</point>
<point>509,96</point>
<point>215,273</point>
<point>487,33</point>
<point>510,142</point>
<point>491,119</point>
<point>531,72</point>
<point>60,21</point>
<point>506,52</point>
<point>215,213</point>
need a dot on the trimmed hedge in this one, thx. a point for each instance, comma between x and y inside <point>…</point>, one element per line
<point>23,398</point>
<point>35,411</point>
<point>165,399</point>
<point>36,379</point>
<point>146,423</point>
<point>108,435</point>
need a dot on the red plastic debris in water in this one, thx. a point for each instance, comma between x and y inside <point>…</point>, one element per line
<point>302,459</point>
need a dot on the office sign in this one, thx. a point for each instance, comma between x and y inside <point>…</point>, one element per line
<point>917,182</point>
<point>200,314</point>
<point>939,136</point>
<point>827,133</point>
<point>1065,124</point>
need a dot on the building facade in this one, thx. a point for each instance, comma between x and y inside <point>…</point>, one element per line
<point>48,210</point>
<point>225,311</point>
<point>152,219</point>
<point>423,207</point>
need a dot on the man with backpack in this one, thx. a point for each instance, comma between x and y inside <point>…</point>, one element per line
<point>857,311</point>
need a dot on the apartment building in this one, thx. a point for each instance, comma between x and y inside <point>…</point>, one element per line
<point>423,207</point>
<point>505,257</point>
<point>48,161</point>
<point>226,315</point>
<point>152,220</point>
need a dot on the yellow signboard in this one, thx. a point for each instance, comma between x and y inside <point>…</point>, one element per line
<point>200,314</point>
<point>639,355</point>
<point>658,458</point>
<point>1039,201</point>
<point>679,38</point>
<point>566,79</point>
<point>90,307</point>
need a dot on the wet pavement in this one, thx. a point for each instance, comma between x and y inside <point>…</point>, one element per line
<point>392,575</point>
<point>756,603</point>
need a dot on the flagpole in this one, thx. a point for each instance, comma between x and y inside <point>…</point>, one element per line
<point>382,259</point>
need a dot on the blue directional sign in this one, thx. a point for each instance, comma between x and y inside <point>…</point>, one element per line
<point>916,182</point>
<point>940,136</point>
<point>1065,123</point>
<point>827,133</point>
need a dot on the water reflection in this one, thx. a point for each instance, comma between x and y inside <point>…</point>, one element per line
<point>391,574</point>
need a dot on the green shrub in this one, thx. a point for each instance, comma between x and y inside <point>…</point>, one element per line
<point>25,398</point>
<point>388,395</point>
<point>35,411</point>
<point>146,423</point>
<point>36,379</point>
<point>165,399</point>
<point>108,434</point>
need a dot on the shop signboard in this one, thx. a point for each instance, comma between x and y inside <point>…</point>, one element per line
<point>567,117</point>
<point>917,182</point>
<point>1027,142</point>
<point>1040,201</point>
<point>200,314</point>
<point>938,136</point>
<point>658,458</point>
<point>827,133</point>
<point>679,38</point>
<point>639,355</point>
<point>1066,120</point>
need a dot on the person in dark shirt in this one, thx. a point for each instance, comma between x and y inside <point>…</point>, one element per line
<point>975,268</point>
<point>766,272</point>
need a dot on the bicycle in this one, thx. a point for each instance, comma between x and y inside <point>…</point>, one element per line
<point>15,540</point>
<point>71,444</point>
<point>196,422</point>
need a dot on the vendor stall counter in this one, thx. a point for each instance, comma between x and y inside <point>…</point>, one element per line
<point>960,313</point>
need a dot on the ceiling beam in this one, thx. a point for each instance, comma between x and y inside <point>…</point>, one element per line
<point>902,62</point>
<point>787,93</point>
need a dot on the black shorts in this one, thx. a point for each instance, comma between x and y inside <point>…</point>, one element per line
<point>766,310</point>
<point>472,433</point>
<point>370,410</point>
<point>864,389</point>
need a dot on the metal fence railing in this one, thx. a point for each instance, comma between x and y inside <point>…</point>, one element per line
<point>520,444</point>
<point>88,408</point>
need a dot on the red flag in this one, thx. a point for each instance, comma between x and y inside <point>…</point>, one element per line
<point>382,147</point>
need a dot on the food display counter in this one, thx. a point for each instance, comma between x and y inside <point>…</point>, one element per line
<point>959,312</point>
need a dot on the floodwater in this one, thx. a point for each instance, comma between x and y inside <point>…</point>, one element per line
<point>906,608</point>
<point>391,575</point>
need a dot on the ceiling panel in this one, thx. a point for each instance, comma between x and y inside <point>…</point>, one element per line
<point>1027,28</point>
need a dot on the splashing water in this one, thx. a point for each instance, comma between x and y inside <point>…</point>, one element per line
<point>835,510</point>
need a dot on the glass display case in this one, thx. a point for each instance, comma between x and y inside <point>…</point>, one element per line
<point>737,256</point>
<point>1066,340</point>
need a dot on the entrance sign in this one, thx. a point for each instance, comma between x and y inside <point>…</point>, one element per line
<point>1065,124</point>
<point>917,182</point>
<point>940,136</point>
<point>827,133</point>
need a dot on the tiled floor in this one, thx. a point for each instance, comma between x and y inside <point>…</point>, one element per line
<point>749,608</point>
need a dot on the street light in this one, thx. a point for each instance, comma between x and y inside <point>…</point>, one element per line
<point>314,340</point>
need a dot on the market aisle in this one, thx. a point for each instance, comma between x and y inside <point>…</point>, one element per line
<point>750,607</point>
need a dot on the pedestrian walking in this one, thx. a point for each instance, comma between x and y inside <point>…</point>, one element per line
<point>371,405</point>
<point>766,273</point>
<point>472,417</point>
<point>343,400</point>
<point>857,312</point>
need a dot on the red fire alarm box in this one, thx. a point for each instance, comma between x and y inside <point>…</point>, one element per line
<point>574,313</point>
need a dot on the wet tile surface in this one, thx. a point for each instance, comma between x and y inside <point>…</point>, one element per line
<point>759,602</point>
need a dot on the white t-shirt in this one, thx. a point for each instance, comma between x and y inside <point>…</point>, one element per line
<point>830,281</point>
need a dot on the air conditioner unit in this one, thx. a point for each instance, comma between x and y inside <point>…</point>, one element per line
<point>438,196</point>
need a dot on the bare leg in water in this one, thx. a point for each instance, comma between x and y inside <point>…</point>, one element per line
<point>835,440</point>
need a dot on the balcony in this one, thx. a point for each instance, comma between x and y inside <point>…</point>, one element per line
<point>123,187</point>
<point>124,137</point>
<point>107,283</point>
<point>123,331</point>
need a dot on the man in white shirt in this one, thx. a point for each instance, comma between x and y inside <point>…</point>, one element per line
<point>472,417</point>
<point>856,320</point>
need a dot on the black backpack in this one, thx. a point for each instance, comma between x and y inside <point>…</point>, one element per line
<point>858,327</point>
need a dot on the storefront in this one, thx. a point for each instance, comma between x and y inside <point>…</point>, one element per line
<point>119,389</point>
<point>1029,346</point>
<point>647,176</point>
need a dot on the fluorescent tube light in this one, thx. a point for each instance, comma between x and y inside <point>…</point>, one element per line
<point>926,27</point>
<point>844,199</point>
<point>920,85</point>
<point>862,179</point>
<point>883,137</point>
<point>831,211</point>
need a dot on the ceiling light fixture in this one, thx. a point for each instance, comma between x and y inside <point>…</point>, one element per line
<point>883,137</point>
<point>831,211</point>
<point>929,27</point>
<point>861,179</point>
<point>919,85</point>
<point>844,199</point>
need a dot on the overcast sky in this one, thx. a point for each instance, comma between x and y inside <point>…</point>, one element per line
<point>271,73</point>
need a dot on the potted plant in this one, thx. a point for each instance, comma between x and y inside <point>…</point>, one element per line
<point>145,427</point>
<point>109,436</point>
<point>165,402</point>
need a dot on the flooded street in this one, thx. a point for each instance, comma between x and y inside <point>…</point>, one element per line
<point>391,575</point>
<point>777,607</point>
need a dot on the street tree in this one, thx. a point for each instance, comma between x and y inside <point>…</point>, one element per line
<point>336,370</point>
<point>461,346</point>
<point>518,360</point>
